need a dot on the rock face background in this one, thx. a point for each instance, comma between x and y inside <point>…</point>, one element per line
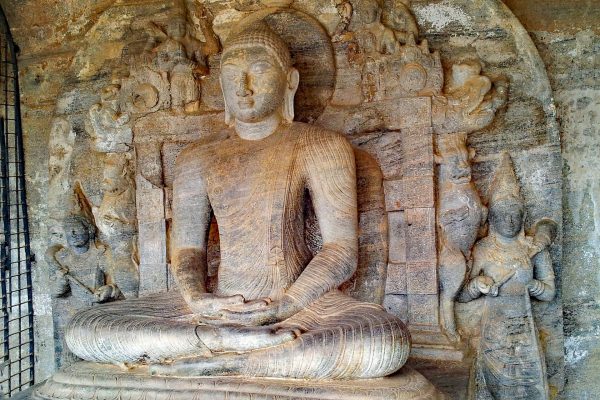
<point>69,49</point>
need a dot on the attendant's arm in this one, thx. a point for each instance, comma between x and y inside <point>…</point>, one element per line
<point>191,219</point>
<point>477,284</point>
<point>330,170</point>
<point>542,287</point>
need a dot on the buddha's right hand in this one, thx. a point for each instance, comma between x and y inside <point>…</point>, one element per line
<point>211,306</point>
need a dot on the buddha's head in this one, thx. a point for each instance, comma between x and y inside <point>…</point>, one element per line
<point>506,206</point>
<point>257,76</point>
<point>78,232</point>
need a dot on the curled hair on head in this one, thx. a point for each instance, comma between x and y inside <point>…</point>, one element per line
<point>260,35</point>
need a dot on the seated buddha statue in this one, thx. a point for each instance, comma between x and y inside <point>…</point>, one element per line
<point>276,310</point>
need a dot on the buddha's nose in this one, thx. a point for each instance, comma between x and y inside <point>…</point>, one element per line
<point>243,89</point>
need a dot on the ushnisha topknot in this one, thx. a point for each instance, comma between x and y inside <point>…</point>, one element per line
<point>260,35</point>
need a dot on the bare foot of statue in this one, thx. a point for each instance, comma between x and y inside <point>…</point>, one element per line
<point>227,340</point>
<point>243,338</point>
<point>223,364</point>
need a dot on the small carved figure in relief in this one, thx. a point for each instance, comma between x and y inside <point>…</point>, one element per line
<point>276,310</point>
<point>62,139</point>
<point>116,221</point>
<point>78,270</point>
<point>110,132</point>
<point>180,57</point>
<point>509,267</point>
<point>470,99</point>
<point>344,9</point>
<point>77,277</point>
<point>398,17</point>
<point>372,36</point>
<point>460,217</point>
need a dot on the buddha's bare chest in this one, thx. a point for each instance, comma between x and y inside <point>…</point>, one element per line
<point>251,179</point>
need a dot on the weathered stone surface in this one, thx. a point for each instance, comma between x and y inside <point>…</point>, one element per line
<point>397,236</point>
<point>405,385</point>
<point>396,279</point>
<point>409,192</point>
<point>422,310</point>
<point>420,245</point>
<point>71,50</point>
<point>508,269</point>
<point>255,184</point>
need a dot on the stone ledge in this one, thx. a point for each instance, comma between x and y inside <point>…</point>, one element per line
<point>85,380</point>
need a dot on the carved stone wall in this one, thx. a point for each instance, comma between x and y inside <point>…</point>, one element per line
<point>70,53</point>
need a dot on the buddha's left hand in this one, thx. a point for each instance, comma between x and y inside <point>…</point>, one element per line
<point>254,313</point>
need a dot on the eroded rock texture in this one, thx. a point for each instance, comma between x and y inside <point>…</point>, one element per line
<point>391,88</point>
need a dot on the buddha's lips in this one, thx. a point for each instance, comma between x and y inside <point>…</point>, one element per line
<point>245,103</point>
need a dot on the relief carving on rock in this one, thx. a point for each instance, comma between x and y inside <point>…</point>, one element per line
<point>78,273</point>
<point>110,126</point>
<point>460,218</point>
<point>168,72</point>
<point>117,223</point>
<point>509,268</point>
<point>272,309</point>
<point>62,141</point>
<point>470,99</point>
<point>78,270</point>
<point>301,214</point>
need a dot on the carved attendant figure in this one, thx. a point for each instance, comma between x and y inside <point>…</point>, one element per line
<point>373,37</point>
<point>78,269</point>
<point>77,276</point>
<point>276,310</point>
<point>460,216</point>
<point>116,221</point>
<point>509,268</point>
<point>110,130</point>
<point>180,56</point>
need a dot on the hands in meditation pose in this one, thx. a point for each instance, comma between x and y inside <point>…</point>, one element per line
<point>276,310</point>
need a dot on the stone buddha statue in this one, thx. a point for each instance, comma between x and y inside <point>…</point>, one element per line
<point>277,310</point>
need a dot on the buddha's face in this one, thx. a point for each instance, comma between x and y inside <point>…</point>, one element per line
<point>77,234</point>
<point>506,217</point>
<point>254,84</point>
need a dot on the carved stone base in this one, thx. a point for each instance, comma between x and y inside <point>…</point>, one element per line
<point>85,380</point>
<point>430,343</point>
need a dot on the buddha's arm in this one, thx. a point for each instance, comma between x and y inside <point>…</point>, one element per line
<point>330,172</point>
<point>191,219</point>
<point>542,287</point>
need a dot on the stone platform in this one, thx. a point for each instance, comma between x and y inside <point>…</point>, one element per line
<point>85,380</point>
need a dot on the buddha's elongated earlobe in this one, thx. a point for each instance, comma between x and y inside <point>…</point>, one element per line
<point>228,119</point>
<point>293,79</point>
